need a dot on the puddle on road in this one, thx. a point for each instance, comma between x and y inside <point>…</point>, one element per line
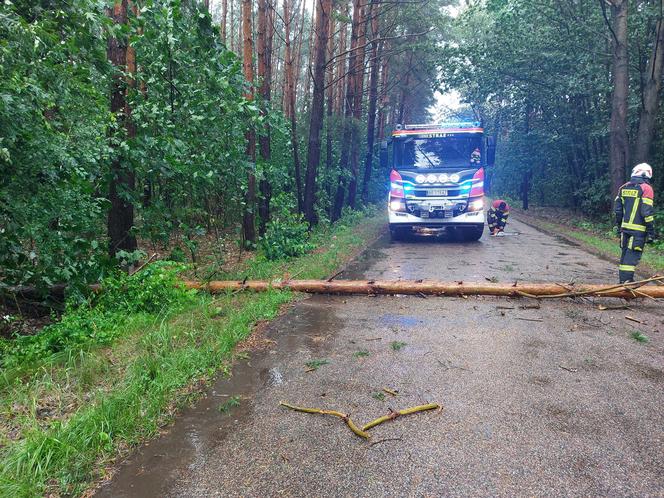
<point>400,320</point>
<point>157,466</point>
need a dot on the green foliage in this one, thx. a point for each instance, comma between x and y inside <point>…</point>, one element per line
<point>286,238</point>
<point>316,364</point>
<point>361,354</point>
<point>153,291</point>
<point>538,74</point>
<point>187,154</point>
<point>230,403</point>
<point>397,345</point>
<point>124,393</point>
<point>53,119</point>
<point>189,151</point>
<point>640,337</point>
<point>378,395</point>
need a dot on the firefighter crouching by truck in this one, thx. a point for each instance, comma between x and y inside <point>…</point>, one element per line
<point>634,212</point>
<point>497,217</point>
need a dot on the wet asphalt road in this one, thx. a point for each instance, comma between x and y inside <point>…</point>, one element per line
<point>555,401</point>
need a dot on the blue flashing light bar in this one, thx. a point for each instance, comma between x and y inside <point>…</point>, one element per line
<point>450,124</point>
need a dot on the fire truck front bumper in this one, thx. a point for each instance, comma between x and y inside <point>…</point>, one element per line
<point>436,213</point>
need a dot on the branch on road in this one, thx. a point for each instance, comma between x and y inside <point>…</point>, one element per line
<point>343,416</point>
<point>392,415</point>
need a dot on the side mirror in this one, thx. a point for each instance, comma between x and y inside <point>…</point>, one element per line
<point>383,155</point>
<point>490,151</point>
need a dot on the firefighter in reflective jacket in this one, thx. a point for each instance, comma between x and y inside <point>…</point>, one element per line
<point>497,216</point>
<point>634,219</point>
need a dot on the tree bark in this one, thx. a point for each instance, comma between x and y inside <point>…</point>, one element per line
<point>652,86</point>
<point>418,288</point>
<point>330,104</point>
<point>347,125</point>
<point>310,62</point>
<point>222,24</point>
<point>264,49</point>
<point>619,140</point>
<point>231,24</point>
<point>376,52</point>
<point>358,95</point>
<point>323,8</point>
<point>121,186</point>
<point>339,76</point>
<point>248,222</point>
<point>289,104</point>
<point>384,96</point>
<point>299,58</point>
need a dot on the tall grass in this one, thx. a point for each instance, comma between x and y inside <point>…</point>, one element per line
<point>64,419</point>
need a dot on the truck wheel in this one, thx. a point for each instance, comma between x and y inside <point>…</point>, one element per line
<point>472,234</point>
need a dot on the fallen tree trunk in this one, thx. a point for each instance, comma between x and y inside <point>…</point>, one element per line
<point>424,288</point>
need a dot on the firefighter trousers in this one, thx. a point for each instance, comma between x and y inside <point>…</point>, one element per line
<point>632,249</point>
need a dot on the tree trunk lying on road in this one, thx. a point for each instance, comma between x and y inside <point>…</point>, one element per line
<point>387,287</point>
<point>423,288</point>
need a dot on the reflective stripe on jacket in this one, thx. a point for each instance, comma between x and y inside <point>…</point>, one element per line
<point>496,218</point>
<point>634,209</point>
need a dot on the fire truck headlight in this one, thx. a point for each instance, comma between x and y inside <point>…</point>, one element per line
<point>476,205</point>
<point>443,178</point>
<point>432,179</point>
<point>397,205</point>
<point>420,178</point>
<point>455,178</point>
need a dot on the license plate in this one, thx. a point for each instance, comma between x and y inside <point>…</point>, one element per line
<point>439,192</point>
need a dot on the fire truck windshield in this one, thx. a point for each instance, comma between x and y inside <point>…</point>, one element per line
<point>430,153</point>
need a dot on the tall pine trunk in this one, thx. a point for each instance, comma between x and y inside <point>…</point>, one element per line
<point>349,100</point>
<point>384,96</point>
<point>339,76</point>
<point>619,141</point>
<point>376,52</point>
<point>248,221</point>
<point>652,86</point>
<point>330,104</point>
<point>289,104</point>
<point>264,49</point>
<point>323,8</point>
<point>357,111</point>
<point>121,186</point>
<point>222,24</point>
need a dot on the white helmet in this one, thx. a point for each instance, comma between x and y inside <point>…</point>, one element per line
<point>642,170</point>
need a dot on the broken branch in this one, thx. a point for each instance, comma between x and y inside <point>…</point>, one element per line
<point>392,415</point>
<point>343,416</point>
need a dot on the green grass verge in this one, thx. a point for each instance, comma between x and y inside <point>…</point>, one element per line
<point>600,239</point>
<point>63,422</point>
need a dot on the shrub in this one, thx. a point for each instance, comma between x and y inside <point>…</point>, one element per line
<point>286,238</point>
<point>99,320</point>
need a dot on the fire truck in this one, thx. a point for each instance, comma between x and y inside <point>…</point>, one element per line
<point>437,178</point>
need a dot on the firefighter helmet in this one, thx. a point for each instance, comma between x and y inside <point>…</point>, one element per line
<point>642,170</point>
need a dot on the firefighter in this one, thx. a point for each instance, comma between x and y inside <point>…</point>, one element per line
<point>475,157</point>
<point>634,219</point>
<point>497,216</point>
